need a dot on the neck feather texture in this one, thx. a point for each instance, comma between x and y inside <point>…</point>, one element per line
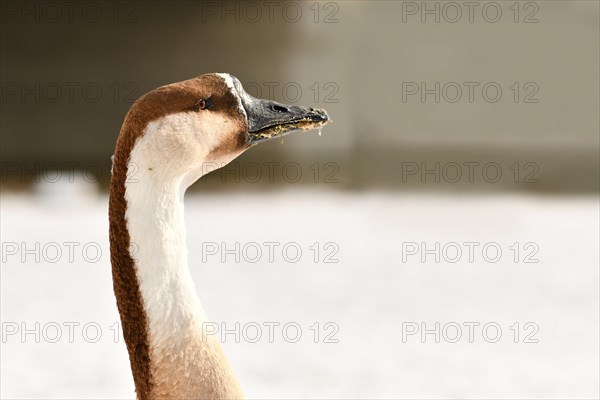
<point>160,311</point>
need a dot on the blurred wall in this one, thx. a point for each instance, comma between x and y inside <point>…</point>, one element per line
<point>423,94</point>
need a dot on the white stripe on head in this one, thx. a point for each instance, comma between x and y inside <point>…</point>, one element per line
<point>231,85</point>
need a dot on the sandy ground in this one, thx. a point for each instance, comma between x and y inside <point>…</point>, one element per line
<point>534,324</point>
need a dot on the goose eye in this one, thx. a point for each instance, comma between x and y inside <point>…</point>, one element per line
<point>203,104</point>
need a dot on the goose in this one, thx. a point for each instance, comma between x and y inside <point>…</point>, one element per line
<point>167,137</point>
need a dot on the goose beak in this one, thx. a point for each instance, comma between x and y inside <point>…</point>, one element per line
<point>268,119</point>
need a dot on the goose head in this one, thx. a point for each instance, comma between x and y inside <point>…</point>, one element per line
<point>183,130</point>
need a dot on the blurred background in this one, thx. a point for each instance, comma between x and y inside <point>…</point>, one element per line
<point>454,122</point>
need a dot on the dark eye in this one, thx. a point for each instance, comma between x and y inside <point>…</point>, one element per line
<point>203,104</point>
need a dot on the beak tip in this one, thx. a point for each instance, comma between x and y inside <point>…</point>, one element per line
<point>320,115</point>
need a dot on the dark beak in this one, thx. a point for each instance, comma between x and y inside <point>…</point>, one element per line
<point>268,119</point>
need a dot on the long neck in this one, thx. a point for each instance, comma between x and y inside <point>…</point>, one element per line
<point>160,311</point>
<point>156,228</point>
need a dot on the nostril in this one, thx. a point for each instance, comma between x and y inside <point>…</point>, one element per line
<point>279,108</point>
